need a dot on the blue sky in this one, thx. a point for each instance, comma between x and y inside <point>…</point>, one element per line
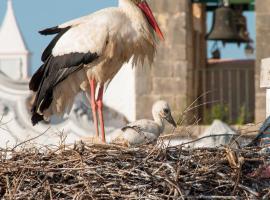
<point>34,15</point>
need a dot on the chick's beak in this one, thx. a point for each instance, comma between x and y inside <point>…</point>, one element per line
<point>170,119</point>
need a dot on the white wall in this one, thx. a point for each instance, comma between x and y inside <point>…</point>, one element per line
<point>120,94</point>
<point>15,66</point>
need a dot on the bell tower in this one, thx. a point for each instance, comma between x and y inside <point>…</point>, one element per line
<point>14,56</point>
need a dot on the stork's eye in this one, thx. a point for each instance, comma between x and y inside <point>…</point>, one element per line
<point>166,111</point>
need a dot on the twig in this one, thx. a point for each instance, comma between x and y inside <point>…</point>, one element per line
<point>29,140</point>
<point>208,136</point>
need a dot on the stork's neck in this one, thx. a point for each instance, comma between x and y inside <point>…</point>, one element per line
<point>140,32</point>
<point>126,4</point>
<point>159,121</point>
<point>132,11</point>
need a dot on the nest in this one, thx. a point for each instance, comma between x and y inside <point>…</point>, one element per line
<point>149,172</point>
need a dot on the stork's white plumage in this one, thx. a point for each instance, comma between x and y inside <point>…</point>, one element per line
<point>145,131</point>
<point>89,51</point>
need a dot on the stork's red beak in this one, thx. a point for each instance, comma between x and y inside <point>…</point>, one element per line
<point>150,17</point>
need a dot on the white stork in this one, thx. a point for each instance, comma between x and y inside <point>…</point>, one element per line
<point>88,52</point>
<point>145,131</point>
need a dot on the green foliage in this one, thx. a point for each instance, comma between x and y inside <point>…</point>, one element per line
<point>221,112</point>
<point>218,111</point>
<point>243,116</point>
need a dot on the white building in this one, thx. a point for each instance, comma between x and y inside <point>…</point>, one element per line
<point>15,97</point>
<point>14,56</point>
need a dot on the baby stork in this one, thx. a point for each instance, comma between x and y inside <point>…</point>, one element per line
<point>88,52</point>
<point>145,131</point>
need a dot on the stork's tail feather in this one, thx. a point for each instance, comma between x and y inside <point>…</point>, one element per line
<point>36,118</point>
<point>59,99</point>
<point>43,105</point>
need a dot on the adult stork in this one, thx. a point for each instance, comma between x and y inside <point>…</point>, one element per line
<point>86,54</point>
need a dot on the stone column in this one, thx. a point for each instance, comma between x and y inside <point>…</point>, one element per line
<point>170,75</point>
<point>262,51</point>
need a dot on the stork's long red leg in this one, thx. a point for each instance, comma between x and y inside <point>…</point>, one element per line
<point>100,113</point>
<point>94,104</point>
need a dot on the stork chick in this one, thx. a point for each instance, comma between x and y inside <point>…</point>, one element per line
<point>145,131</point>
<point>88,52</point>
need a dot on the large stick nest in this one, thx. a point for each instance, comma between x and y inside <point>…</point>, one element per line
<point>149,172</point>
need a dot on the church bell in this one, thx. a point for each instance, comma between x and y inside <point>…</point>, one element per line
<point>225,26</point>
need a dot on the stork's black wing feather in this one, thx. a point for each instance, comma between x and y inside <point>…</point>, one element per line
<point>55,70</point>
<point>37,77</point>
<point>48,51</point>
<point>51,31</point>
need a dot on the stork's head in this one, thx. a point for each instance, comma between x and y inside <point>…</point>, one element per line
<point>143,5</point>
<point>162,109</point>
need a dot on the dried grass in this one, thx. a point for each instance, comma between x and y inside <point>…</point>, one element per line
<point>114,172</point>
